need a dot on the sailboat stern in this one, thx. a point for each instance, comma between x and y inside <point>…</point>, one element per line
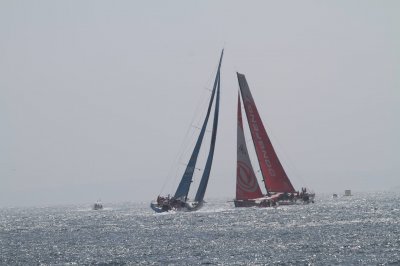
<point>194,205</point>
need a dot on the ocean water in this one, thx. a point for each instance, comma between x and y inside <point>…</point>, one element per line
<point>363,229</point>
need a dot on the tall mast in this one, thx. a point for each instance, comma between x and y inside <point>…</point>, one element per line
<point>184,185</point>
<point>207,169</point>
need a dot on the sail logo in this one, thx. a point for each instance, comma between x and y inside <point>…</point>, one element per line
<point>260,143</point>
<point>246,180</point>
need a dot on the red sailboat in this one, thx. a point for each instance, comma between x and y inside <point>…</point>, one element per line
<point>279,188</point>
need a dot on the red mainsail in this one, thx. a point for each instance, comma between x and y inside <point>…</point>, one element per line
<point>275,178</point>
<point>246,183</point>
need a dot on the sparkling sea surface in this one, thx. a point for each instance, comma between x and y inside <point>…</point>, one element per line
<point>363,229</point>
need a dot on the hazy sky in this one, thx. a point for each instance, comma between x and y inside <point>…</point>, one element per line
<point>96,97</point>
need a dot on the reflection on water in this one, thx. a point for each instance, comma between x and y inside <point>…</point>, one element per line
<point>361,229</point>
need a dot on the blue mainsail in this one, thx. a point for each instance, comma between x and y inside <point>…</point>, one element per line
<point>183,188</point>
<point>206,174</point>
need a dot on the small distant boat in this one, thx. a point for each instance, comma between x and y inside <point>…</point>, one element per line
<point>334,196</point>
<point>97,205</point>
<point>280,190</point>
<point>180,200</point>
<point>347,192</point>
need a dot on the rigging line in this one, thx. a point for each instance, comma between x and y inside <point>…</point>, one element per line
<point>208,85</point>
<point>178,158</point>
<point>181,152</point>
<point>187,153</point>
<point>185,164</point>
<point>204,99</point>
<point>199,121</point>
<point>208,110</point>
<point>203,113</point>
<point>199,128</point>
<point>190,147</point>
<point>211,76</point>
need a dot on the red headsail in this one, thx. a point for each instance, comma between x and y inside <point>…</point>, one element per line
<point>246,183</point>
<point>275,178</point>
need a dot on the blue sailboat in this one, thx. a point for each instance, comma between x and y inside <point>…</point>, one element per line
<point>180,200</point>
